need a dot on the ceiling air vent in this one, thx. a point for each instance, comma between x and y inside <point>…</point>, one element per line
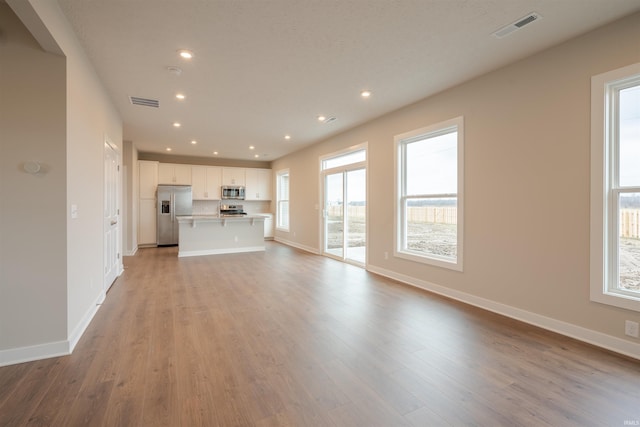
<point>515,26</point>
<point>145,102</point>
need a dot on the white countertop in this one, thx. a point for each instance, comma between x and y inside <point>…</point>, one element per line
<point>192,218</point>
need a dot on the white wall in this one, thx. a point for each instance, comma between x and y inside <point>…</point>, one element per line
<point>527,136</point>
<point>86,117</point>
<point>33,228</point>
<point>91,117</point>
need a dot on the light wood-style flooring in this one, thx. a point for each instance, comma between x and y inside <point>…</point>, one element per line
<point>287,338</point>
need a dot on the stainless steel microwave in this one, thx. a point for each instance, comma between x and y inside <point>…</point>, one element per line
<point>232,192</point>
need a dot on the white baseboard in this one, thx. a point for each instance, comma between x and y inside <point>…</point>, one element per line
<point>14,356</point>
<point>221,251</point>
<point>297,245</point>
<point>148,245</point>
<point>599,339</point>
<point>77,332</point>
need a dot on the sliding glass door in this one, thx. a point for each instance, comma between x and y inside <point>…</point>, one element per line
<point>345,207</point>
<point>334,242</point>
<point>355,219</point>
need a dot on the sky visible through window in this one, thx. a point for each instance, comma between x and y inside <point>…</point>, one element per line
<point>630,137</point>
<point>357,182</point>
<point>432,165</point>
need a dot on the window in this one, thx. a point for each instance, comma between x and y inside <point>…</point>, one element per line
<point>282,197</point>
<point>429,182</point>
<point>348,158</point>
<point>615,187</point>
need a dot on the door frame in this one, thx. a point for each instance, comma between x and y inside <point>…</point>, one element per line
<point>322,196</point>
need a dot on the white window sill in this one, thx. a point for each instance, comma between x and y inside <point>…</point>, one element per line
<point>447,263</point>
<point>616,299</point>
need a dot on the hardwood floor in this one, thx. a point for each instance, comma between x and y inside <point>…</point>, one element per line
<point>286,338</point>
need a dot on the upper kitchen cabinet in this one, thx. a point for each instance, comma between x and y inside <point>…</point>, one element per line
<point>258,184</point>
<point>147,179</point>
<point>233,176</point>
<point>174,174</point>
<point>206,182</point>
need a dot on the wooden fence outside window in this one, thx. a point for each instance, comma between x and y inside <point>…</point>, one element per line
<point>629,218</point>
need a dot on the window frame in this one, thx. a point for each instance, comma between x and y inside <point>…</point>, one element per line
<point>400,142</point>
<point>325,158</point>
<point>605,189</point>
<point>279,211</point>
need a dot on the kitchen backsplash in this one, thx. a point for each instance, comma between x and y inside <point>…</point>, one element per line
<point>210,207</point>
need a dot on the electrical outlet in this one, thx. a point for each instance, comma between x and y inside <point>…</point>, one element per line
<point>631,328</point>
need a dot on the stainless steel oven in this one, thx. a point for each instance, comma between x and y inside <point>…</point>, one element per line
<point>232,210</point>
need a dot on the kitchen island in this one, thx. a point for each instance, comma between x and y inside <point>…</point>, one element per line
<point>215,234</point>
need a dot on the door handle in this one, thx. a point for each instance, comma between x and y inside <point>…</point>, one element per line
<point>114,222</point>
<point>173,207</point>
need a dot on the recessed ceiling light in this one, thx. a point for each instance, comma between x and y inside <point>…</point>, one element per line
<point>180,96</point>
<point>365,93</point>
<point>287,137</point>
<point>168,148</point>
<point>256,155</point>
<point>321,118</point>
<point>215,153</point>
<point>194,142</point>
<point>251,147</point>
<point>176,125</point>
<point>185,54</point>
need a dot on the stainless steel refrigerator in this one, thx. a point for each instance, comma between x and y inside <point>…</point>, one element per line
<point>173,201</point>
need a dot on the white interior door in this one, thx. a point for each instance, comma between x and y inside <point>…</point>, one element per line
<point>111,215</point>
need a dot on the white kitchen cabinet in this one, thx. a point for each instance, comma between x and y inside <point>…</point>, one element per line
<point>166,173</point>
<point>147,222</point>
<point>147,179</point>
<point>214,182</point>
<point>174,174</point>
<point>233,176</point>
<point>258,184</point>
<point>198,182</point>
<point>268,226</point>
<point>206,182</point>
<point>147,187</point>
<point>183,174</point>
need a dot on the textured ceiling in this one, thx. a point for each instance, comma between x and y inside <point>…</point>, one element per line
<point>266,68</point>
